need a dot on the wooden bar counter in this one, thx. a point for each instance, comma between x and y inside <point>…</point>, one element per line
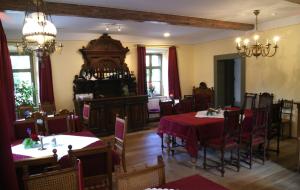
<point>103,113</point>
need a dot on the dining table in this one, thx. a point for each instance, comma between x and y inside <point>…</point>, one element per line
<point>195,128</point>
<point>78,140</point>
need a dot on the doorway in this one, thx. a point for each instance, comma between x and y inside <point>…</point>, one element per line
<point>229,80</point>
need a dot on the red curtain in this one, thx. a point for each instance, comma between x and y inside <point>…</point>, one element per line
<point>174,83</point>
<point>8,177</point>
<point>45,77</point>
<point>141,60</point>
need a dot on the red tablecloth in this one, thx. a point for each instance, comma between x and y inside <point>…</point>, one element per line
<point>82,133</point>
<point>195,182</point>
<point>193,129</point>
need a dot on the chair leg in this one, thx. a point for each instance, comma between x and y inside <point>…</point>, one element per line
<point>173,145</point>
<point>162,142</point>
<point>222,163</point>
<point>264,152</point>
<point>204,157</point>
<point>238,158</point>
<point>124,162</point>
<point>278,144</point>
<point>251,153</point>
<point>290,129</point>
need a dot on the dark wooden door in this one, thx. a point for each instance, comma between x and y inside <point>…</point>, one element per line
<point>225,79</point>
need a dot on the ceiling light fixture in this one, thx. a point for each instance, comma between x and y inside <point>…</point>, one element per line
<point>247,48</point>
<point>38,31</point>
<point>167,34</point>
<point>113,27</point>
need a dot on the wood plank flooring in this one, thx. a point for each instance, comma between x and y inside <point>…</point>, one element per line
<point>277,173</point>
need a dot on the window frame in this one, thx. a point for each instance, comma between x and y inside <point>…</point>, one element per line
<point>150,67</point>
<point>31,70</point>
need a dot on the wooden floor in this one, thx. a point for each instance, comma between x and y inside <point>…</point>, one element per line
<point>277,173</point>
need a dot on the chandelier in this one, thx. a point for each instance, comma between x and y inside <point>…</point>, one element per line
<point>247,48</point>
<point>38,31</point>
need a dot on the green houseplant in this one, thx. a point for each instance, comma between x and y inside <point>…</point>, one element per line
<point>24,93</point>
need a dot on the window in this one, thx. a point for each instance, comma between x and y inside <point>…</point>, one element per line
<point>24,82</point>
<point>154,73</point>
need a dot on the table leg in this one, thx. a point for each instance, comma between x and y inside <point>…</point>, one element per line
<point>298,154</point>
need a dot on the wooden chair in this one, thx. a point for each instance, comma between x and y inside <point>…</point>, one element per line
<point>21,126</point>
<point>48,108</point>
<point>120,139</point>
<point>229,140</point>
<point>153,176</point>
<point>274,128</point>
<point>57,124</point>
<point>203,98</point>
<point>265,100</point>
<point>31,166</point>
<point>287,116</point>
<point>153,108</point>
<point>96,166</point>
<point>249,101</point>
<point>257,136</point>
<point>186,105</point>
<point>166,107</point>
<point>86,114</point>
<point>67,179</point>
<point>22,110</point>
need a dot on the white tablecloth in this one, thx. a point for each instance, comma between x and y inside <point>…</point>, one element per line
<point>203,114</point>
<point>62,143</point>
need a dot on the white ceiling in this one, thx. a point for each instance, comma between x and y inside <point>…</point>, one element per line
<point>274,13</point>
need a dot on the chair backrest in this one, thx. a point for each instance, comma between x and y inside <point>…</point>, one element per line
<point>186,105</point>
<point>30,165</point>
<point>259,122</point>
<point>48,108</point>
<point>152,176</point>
<point>57,124</point>
<point>203,98</point>
<point>177,108</point>
<point>67,179</point>
<point>202,101</point>
<point>21,126</point>
<point>166,107</point>
<point>23,110</point>
<point>96,165</point>
<point>265,100</point>
<point>249,100</point>
<point>276,113</point>
<point>86,111</point>
<point>232,125</point>
<point>120,128</point>
<point>287,108</point>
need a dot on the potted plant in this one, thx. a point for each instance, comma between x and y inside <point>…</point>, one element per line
<point>24,94</point>
<point>151,89</point>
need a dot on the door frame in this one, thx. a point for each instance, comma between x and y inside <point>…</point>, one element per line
<point>233,56</point>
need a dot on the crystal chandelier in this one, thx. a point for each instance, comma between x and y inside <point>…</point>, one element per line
<point>38,31</point>
<point>247,48</point>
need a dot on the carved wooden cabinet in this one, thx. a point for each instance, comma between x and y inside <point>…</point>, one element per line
<point>106,77</point>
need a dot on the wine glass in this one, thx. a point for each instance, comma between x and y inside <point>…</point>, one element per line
<point>41,137</point>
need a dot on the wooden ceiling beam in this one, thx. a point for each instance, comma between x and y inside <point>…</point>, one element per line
<point>294,1</point>
<point>122,14</point>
